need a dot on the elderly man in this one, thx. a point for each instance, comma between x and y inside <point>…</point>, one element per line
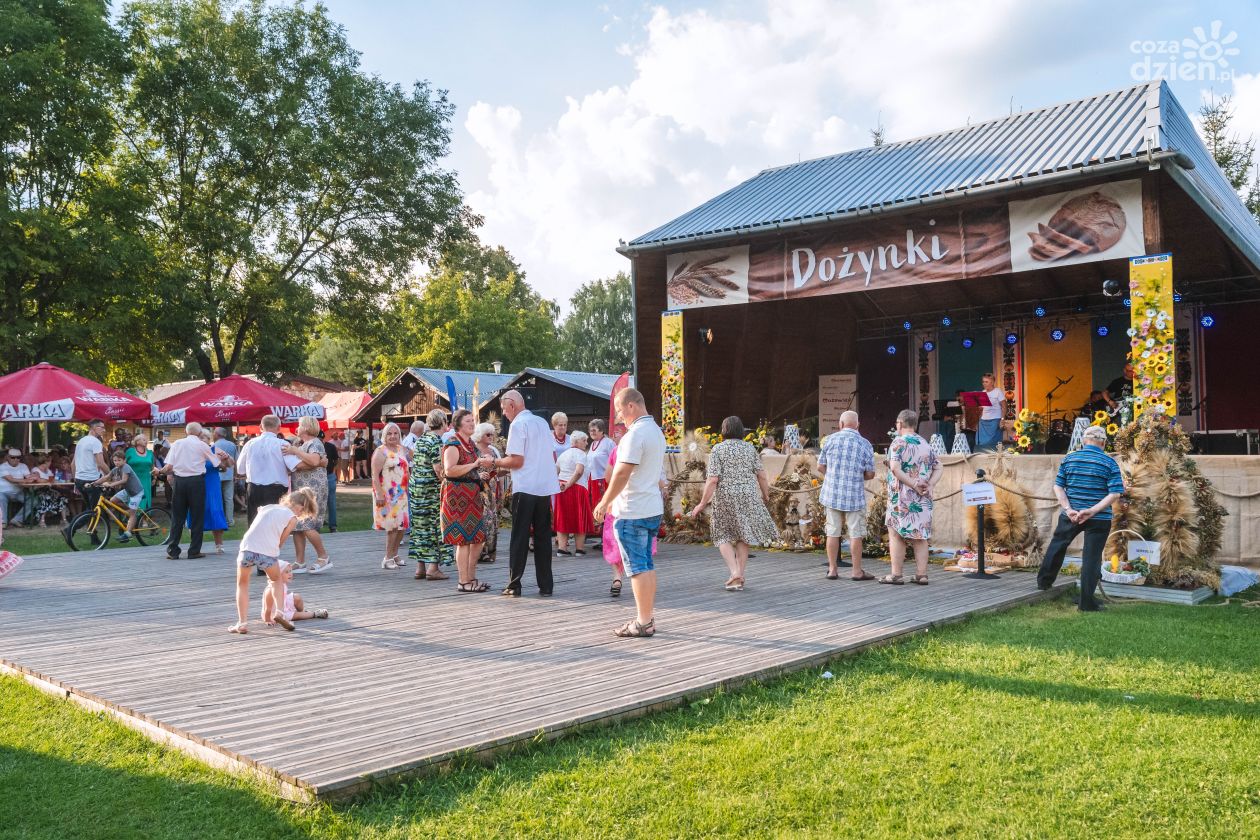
<point>846,462</point>
<point>227,476</point>
<point>532,462</point>
<point>409,440</point>
<point>1087,483</point>
<point>634,496</point>
<point>187,461</point>
<point>14,478</point>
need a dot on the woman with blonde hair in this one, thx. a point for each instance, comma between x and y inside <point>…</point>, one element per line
<point>260,547</point>
<point>389,492</point>
<point>424,542</point>
<point>311,474</point>
<point>141,460</point>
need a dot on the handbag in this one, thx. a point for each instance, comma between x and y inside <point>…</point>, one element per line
<point>8,562</point>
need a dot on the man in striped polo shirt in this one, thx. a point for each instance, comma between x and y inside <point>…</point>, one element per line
<point>1087,483</point>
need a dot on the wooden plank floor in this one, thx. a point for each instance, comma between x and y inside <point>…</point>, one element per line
<point>406,673</point>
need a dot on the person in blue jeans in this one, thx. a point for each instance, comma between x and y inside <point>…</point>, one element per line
<point>1087,483</point>
<point>330,449</point>
<point>634,497</point>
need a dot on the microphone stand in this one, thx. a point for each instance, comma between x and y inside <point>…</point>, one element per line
<point>1050,395</point>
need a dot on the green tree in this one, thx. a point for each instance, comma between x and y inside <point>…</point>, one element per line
<point>283,178</point>
<point>74,262</point>
<point>598,335</point>
<point>340,355</point>
<point>1233,154</point>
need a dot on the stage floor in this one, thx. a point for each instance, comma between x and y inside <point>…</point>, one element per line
<point>406,673</point>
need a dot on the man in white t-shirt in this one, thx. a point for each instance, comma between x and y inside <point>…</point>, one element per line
<point>989,435</point>
<point>634,497</point>
<point>89,463</point>
<point>531,458</point>
<point>409,440</point>
<point>14,475</point>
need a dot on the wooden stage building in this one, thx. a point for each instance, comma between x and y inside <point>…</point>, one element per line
<point>407,674</point>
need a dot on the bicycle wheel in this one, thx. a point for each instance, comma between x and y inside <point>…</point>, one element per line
<point>85,537</point>
<point>152,527</point>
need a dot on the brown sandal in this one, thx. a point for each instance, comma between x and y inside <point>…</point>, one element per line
<point>921,580</point>
<point>864,576</point>
<point>438,576</point>
<point>420,574</point>
<point>633,628</point>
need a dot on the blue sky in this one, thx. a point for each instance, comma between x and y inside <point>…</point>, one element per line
<point>581,123</point>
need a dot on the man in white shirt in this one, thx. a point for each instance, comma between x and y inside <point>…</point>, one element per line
<point>634,497</point>
<point>14,475</point>
<point>89,463</point>
<point>531,458</point>
<point>989,435</point>
<point>409,439</point>
<point>266,462</point>
<point>187,462</point>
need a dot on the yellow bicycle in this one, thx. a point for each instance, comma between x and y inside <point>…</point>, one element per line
<point>91,530</point>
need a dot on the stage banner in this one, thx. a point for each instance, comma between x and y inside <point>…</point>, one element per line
<point>837,393</point>
<point>1151,334</point>
<point>672,379</point>
<point>1103,222</point>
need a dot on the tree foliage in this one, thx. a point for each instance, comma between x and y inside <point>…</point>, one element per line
<point>1233,154</point>
<point>282,177</point>
<point>598,335</point>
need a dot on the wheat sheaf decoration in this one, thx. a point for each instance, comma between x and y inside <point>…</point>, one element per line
<point>692,282</point>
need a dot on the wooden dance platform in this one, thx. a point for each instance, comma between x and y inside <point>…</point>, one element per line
<point>408,674</point>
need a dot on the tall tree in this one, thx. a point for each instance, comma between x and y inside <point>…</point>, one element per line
<point>73,256</point>
<point>284,179</point>
<point>598,335</point>
<point>1233,154</point>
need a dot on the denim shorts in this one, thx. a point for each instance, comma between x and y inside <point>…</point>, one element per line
<point>634,538</point>
<point>252,558</point>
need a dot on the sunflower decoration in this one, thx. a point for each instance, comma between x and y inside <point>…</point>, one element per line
<point>1030,430</point>
<point>1100,417</point>
<point>1025,442</point>
<point>1019,427</point>
<point>1112,428</point>
<point>1024,415</point>
<point>1161,369</point>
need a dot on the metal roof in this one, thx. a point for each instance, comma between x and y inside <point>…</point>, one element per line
<point>488,383</point>
<point>1128,127</point>
<point>595,384</point>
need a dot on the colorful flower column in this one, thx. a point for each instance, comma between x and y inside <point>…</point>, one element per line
<point>1151,336</point>
<point>672,379</point>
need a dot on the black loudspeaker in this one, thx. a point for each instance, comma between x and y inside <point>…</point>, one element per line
<point>1226,442</point>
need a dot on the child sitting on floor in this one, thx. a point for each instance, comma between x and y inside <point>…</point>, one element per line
<point>280,606</point>
<point>260,547</point>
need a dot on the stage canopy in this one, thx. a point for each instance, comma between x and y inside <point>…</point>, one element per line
<point>233,399</point>
<point>46,392</point>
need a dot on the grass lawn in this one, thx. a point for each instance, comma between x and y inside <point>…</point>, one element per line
<point>354,513</point>
<point>1040,722</point>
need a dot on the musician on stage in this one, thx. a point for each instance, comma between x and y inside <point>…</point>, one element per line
<point>1094,404</point>
<point>1120,388</point>
<point>989,434</point>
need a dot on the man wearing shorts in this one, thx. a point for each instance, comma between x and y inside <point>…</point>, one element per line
<point>634,496</point>
<point>846,462</point>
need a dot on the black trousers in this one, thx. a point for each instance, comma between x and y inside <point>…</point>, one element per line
<point>257,495</point>
<point>91,495</point>
<point>1096,533</point>
<point>531,512</point>
<point>188,501</point>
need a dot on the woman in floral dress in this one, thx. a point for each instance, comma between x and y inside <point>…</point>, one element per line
<point>424,541</point>
<point>913,470</point>
<point>311,473</point>
<point>740,493</point>
<point>389,492</point>
<point>492,490</point>
<point>463,506</point>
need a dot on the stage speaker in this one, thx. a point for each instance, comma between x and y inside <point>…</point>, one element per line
<point>1226,442</point>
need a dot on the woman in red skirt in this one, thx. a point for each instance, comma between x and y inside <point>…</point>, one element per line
<point>463,517</point>
<point>572,511</point>
<point>597,462</point>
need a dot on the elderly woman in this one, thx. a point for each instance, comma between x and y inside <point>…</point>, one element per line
<point>462,501</point>
<point>737,487</point>
<point>424,542</point>
<point>560,432</point>
<point>311,473</point>
<point>492,488</point>
<point>913,471</point>
<point>389,492</point>
<point>141,460</point>
<point>213,519</point>
<point>572,508</point>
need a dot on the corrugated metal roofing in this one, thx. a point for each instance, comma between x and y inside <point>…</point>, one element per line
<point>488,383</point>
<point>595,384</point>
<point>1102,129</point>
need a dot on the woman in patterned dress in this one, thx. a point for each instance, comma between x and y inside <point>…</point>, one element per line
<point>492,489</point>
<point>389,492</point>
<point>740,493</point>
<point>424,493</point>
<point>913,470</point>
<point>462,507</point>
<point>311,473</point>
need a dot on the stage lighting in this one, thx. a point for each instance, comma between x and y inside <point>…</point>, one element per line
<point>1176,297</point>
<point>1128,302</point>
<point>1111,288</point>
<point>1103,329</point>
<point>929,346</point>
<point>947,321</point>
<point>1206,320</point>
<point>1012,338</point>
<point>892,349</point>
<point>906,325</point>
<point>968,342</point>
<point>1040,312</point>
<point>1057,334</point>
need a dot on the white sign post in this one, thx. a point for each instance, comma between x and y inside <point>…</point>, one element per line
<point>977,494</point>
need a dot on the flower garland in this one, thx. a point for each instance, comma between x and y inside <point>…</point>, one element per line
<point>1151,336</point>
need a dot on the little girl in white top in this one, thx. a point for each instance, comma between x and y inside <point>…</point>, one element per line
<point>260,547</point>
<point>281,605</point>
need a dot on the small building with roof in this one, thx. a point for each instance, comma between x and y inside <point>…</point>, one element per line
<point>416,391</point>
<point>581,395</point>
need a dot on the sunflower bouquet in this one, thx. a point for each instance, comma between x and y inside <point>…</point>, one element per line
<point>1030,430</point>
<point>1105,421</point>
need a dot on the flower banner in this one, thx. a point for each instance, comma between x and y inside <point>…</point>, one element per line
<point>672,379</point>
<point>1151,336</point>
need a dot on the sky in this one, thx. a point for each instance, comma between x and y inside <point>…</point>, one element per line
<point>579,124</point>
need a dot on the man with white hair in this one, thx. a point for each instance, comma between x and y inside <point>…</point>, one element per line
<point>1087,483</point>
<point>14,476</point>
<point>409,440</point>
<point>531,459</point>
<point>846,462</point>
<point>187,461</point>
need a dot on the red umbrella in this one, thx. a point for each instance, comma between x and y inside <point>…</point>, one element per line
<point>233,399</point>
<point>47,392</point>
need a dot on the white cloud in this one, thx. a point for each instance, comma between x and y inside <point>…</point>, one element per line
<point>716,97</point>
